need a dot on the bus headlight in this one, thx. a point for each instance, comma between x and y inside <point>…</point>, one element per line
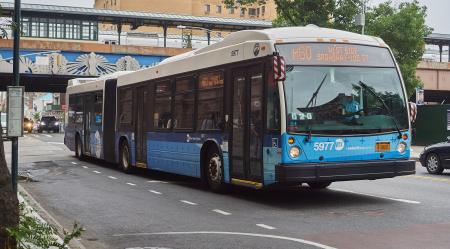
<point>401,147</point>
<point>294,152</point>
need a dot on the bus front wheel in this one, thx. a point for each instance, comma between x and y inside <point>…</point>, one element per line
<point>319,185</point>
<point>125,162</point>
<point>214,171</point>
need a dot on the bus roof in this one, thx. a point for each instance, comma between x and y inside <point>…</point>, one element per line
<point>80,85</point>
<point>239,46</point>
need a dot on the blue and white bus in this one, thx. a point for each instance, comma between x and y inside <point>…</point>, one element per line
<point>281,106</point>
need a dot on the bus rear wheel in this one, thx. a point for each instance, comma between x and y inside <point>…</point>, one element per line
<point>79,149</point>
<point>125,162</point>
<point>319,185</point>
<point>214,171</point>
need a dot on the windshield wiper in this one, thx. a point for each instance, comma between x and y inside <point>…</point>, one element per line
<point>363,85</point>
<point>312,101</point>
<point>314,96</point>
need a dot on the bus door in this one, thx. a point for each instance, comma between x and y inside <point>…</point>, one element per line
<point>88,122</point>
<point>247,126</point>
<point>141,126</point>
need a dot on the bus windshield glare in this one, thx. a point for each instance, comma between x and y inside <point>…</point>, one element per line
<point>359,93</point>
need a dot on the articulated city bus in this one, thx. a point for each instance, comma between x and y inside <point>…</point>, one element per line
<point>281,106</point>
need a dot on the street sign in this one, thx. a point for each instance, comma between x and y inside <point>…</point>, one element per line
<point>15,111</point>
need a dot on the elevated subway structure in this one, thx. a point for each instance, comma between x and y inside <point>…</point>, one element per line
<point>53,27</point>
<point>440,40</point>
<point>135,18</point>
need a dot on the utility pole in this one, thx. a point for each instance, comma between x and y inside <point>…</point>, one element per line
<point>360,18</point>
<point>16,73</point>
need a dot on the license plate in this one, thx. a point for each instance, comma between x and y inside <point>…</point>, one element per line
<point>383,146</point>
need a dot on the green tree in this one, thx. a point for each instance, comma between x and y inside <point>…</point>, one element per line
<point>324,13</point>
<point>403,29</point>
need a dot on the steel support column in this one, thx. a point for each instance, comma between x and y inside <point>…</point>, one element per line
<point>165,34</point>
<point>119,31</point>
<point>440,52</point>
<point>208,35</point>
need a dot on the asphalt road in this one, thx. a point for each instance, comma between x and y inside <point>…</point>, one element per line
<point>155,210</point>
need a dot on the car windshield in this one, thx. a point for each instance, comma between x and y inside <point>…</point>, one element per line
<point>48,119</point>
<point>344,100</point>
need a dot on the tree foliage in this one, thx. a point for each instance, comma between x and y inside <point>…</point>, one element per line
<point>33,233</point>
<point>402,27</point>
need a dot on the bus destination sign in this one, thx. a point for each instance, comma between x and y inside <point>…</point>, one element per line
<point>335,54</point>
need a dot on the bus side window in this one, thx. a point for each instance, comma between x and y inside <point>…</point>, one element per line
<point>98,108</point>
<point>125,107</point>
<point>273,106</point>
<point>75,109</point>
<point>162,116</point>
<point>210,101</point>
<point>183,112</point>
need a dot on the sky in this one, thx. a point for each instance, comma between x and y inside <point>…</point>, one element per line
<point>437,10</point>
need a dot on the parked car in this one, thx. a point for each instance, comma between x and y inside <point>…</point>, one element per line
<point>48,123</point>
<point>28,125</point>
<point>436,157</point>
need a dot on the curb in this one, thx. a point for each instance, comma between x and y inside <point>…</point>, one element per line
<point>45,215</point>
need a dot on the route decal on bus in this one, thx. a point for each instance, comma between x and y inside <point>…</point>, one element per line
<point>333,54</point>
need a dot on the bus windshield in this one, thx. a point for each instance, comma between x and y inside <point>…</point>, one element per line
<point>344,100</point>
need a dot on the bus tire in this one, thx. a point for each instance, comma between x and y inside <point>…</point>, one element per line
<point>125,156</point>
<point>79,148</point>
<point>319,185</point>
<point>214,171</point>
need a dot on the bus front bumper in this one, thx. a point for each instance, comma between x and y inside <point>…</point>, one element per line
<point>343,171</point>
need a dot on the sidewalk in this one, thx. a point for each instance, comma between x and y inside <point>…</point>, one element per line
<point>415,152</point>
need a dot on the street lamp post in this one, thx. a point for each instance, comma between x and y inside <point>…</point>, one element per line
<point>208,31</point>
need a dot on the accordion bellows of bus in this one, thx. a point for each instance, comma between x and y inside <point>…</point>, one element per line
<point>275,107</point>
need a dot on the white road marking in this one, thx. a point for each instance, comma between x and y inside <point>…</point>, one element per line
<point>97,172</point>
<point>377,196</point>
<point>85,167</point>
<point>131,184</point>
<point>112,177</point>
<point>47,135</point>
<point>35,135</point>
<point>156,181</point>
<point>55,143</point>
<point>188,202</point>
<point>266,226</point>
<point>155,192</point>
<point>25,136</point>
<point>74,163</point>
<point>302,241</point>
<point>221,212</point>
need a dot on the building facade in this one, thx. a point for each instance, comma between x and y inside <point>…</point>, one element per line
<point>192,7</point>
<point>213,8</point>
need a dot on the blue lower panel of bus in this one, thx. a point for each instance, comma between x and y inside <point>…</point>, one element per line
<point>174,157</point>
<point>179,153</point>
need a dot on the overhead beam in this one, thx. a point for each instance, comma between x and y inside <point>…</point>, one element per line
<point>39,82</point>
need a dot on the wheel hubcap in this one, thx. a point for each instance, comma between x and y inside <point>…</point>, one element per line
<point>79,149</point>
<point>215,168</point>
<point>125,158</point>
<point>433,163</point>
